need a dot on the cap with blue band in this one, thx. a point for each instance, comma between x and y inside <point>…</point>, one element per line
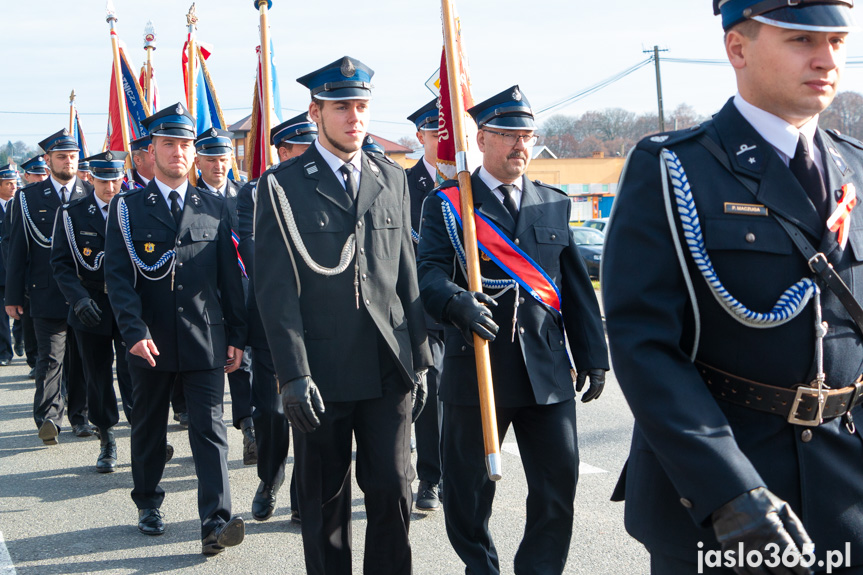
<point>807,15</point>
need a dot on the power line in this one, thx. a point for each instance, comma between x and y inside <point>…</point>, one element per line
<point>597,87</point>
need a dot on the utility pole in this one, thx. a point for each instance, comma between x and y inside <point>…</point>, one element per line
<point>656,52</point>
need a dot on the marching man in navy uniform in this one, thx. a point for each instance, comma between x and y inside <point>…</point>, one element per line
<point>546,294</point>
<point>731,280</point>
<point>422,179</point>
<point>77,256</point>
<point>173,283</point>
<point>29,273</point>
<point>272,428</point>
<point>35,169</point>
<point>215,151</point>
<point>144,168</point>
<point>8,184</point>
<point>337,292</point>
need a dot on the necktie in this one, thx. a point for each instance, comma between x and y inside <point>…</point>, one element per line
<point>176,211</point>
<point>509,200</point>
<point>350,183</point>
<point>105,211</point>
<point>63,192</point>
<point>804,169</point>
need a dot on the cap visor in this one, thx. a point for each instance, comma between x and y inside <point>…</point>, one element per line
<point>345,94</point>
<point>812,18</point>
<point>511,123</point>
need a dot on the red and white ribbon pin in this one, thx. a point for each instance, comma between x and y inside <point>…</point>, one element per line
<point>840,220</point>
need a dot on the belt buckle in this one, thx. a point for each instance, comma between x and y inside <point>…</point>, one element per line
<point>815,260</point>
<point>798,398</point>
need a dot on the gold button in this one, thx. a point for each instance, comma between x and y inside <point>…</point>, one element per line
<point>750,238</point>
<point>806,436</point>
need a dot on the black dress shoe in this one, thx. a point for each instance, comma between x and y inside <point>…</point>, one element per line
<point>32,374</point>
<point>250,448</point>
<point>107,461</point>
<point>169,452</point>
<point>19,349</point>
<point>264,503</point>
<point>82,430</point>
<point>182,418</point>
<point>231,533</point>
<point>5,362</point>
<point>295,516</point>
<point>428,498</point>
<point>48,432</point>
<point>150,521</point>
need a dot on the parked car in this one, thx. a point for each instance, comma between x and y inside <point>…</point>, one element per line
<point>597,224</point>
<point>589,242</point>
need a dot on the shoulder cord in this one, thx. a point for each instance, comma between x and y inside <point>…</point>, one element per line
<point>415,236</point>
<point>30,227</point>
<point>70,235</point>
<point>348,251</point>
<point>790,303</point>
<point>126,231</point>
<point>504,285</point>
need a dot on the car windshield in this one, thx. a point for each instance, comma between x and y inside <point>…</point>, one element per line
<point>588,237</point>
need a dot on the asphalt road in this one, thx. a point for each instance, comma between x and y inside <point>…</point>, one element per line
<point>57,515</point>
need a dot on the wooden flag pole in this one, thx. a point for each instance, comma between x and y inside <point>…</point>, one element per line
<point>72,113</point>
<point>118,75</point>
<point>191,21</point>
<point>267,104</point>
<point>483,362</point>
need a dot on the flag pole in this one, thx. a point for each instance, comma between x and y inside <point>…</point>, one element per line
<point>121,97</point>
<point>483,362</point>
<point>267,104</point>
<point>191,21</point>
<point>72,112</point>
<point>149,46</point>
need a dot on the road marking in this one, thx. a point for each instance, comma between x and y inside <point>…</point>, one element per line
<point>583,468</point>
<point>6,566</point>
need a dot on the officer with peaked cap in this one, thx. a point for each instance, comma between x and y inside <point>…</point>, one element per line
<point>728,246</point>
<point>542,290</point>
<point>29,273</point>
<point>422,179</point>
<point>143,161</point>
<point>215,151</point>
<point>8,184</point>
<point>173,283</point>
<point>35,169</point>
<point>273,432</point>
<point>338,298</point>
<point>77,256</point>
<point>84,170</point>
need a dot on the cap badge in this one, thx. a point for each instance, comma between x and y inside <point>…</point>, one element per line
<point>65,132</point>
<point>109,156</point>
<point>516,95</point>
<point>149,247</point>
<point>213,133</point>
<point>179,109</point>
<point>347,68</point>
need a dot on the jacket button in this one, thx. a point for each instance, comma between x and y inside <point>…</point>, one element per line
<point>322,224</point>
<point>516,241</point>
<point>179,288</point>
<point>180,264</point>
<point>149,236</point>
<point>520,300</point>
<point>205,235</point>
<point>179,242</point>
<point>179,309</point>
<point>389,221</point>
<point>521,330</point>
<point>750,238</point>
<point>686,502</point>
<point>464,348</point>
<point>362,251</point>
<point>806,436</point>
<point>360,224</point>
<point>554,236</point>
<point>560,342</point>
<point>365,277</point>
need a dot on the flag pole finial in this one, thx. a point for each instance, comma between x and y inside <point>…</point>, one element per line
<point>149,36</point>
<point>111,12</point>
<point>72,97</point>
<point>192,17</point>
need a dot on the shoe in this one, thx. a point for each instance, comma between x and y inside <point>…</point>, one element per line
<point>295,516</point>
<point>427,496</point>
<point>231,533</point>
<point>19,349</point>
<point>107,461</point>
<point>169,452</point>
<point>82,430</point>
<point>32,374</point>
<point>264,503</point>
<point>250,448</point>
<point>5,362</point>
<point>151,521</point>
<point>413,445</point>
<point>48,432</point>
<point>182,418</point>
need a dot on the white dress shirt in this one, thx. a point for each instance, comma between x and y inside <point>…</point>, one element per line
<point>166,191</point>
<point>335,163</point>
<point>493,184</point>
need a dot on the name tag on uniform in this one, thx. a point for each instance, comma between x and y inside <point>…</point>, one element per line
<point>745,209</point>
<point>83,233</point>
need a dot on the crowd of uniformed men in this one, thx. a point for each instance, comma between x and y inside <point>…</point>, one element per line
<point>332,293</point>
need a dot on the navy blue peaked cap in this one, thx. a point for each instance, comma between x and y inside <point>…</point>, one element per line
<point>59,142</point>
<point>298,130</point>
<point>508,110</point>
<point>35,165</point>
<point>345,79</point>
<point>174,121</point>
<point>215,142</point>
<point>426,118</point>
<point>107,165</point>
<point>810,15</point>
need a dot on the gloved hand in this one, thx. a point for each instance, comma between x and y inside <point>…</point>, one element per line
<point>466,311</point>
<point>754,520</point>
<point>302,403</point>
<point>419,394</point>
<point>597,383</point>
<point>88,312</point>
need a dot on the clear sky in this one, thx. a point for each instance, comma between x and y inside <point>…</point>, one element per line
<point>551,48</point>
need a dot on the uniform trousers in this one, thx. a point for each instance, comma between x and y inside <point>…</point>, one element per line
<point>240,384</point>
<point>546,436</point>
<point>97,359</point>
<point>381,428</point>
<point>48,401</point>
<point>31,347</point>
<point>5,330</point>
<point>272,430</point>
<point>74,382</point>
<point>208,438</point>
<point>427,425</point>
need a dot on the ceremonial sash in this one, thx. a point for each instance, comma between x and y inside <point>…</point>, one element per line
<point>236,239</point>
<point>508,256</point>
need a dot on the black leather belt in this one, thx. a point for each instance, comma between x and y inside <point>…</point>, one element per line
<point>799,405</point>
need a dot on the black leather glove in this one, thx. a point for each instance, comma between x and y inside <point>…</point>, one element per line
<point>758,518</point>
<point>466,311</point>
<point>597,383</point>
<point>88,312</point>
<point>419,394</point>
<point>302,403</point>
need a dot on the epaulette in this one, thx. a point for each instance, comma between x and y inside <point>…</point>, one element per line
<point>444,185</point>
<point>653,144</point>
<point>131,191</point>
<point>847,139</point>
<point>379,158</point>
<point>282,165</point>
<point>549,187</point>
<point>207,190</point>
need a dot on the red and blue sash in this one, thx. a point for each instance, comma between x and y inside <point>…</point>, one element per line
<point>508,256</point>
<point>236,239</point>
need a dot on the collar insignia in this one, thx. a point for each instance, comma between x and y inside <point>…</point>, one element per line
<point>91,209</point>
<point>658,139</point>
<point>151,199</point>
<point>195,199</point>
<point>838,160</point>
<point>311,168</point>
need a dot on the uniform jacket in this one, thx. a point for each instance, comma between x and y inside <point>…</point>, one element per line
<point>193,324</point>
<point>692,453</point>
<point>3,242</point>
<point>319,331</point>
<point>246,248</point>
<point>419,185</point>
<point>232,191</point>
<point>75,281</point>
<point>543,233</point>
<point>28,267</point>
